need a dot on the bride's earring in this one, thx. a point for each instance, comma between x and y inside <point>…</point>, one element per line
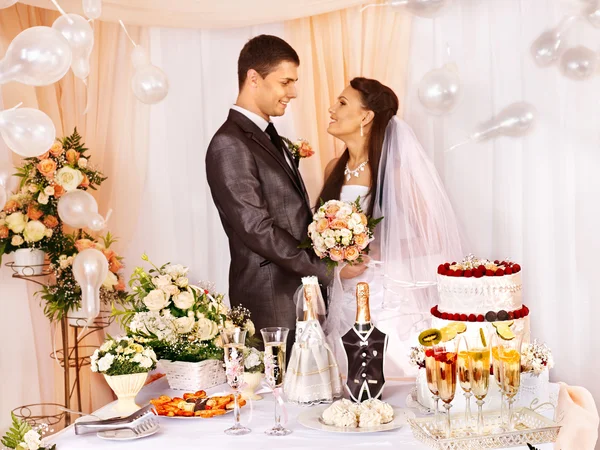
<point>361,130</point>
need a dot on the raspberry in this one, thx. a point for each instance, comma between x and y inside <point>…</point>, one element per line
<point>472,318</point>
<point>497,262</point>
<point>511,315</point>
<point>478,273</point>
<point>463,317</point>
<point>453,264</point>
<point>499,272</point>
<point>445,316</point>
<point>468,273</point>
<point>429,352</point>
<point>450,273</point>
<point>517,314</point>
<point>516,268</point>
<point>508,271</point>
<point>447,266</point>
<point>481,267</point>
<point>441,269</point>
<point>489,273</point>
<point>458,273</point>
<point>525,311</point>
<point>480,318</point>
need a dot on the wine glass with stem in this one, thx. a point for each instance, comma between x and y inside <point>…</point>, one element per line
<point>478,345</point>
<point>233,345</point>
<point>430,373</point>
<point>509,355</point>
<point>464,378</point>
<point>445,359</point>
<point>496,343</point>
<point>275,339</point>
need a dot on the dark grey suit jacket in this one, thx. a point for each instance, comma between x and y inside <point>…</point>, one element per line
<point>265,212</point>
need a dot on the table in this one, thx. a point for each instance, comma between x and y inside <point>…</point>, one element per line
<point>208,433</point>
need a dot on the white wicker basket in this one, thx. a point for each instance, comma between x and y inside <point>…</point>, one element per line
<point>191,377</point>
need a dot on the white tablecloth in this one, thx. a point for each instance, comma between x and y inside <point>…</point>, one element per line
<point>208,433</point>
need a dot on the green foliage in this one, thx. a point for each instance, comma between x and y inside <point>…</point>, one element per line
<point>16,433</point>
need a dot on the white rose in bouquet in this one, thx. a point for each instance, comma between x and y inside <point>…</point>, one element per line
<point>182,282</point>
<point>49,190</point>
<point>250,327</point>
<point>107,346</point>
<point>69,178</point>
<point>184,300</point>
<point>17,240</point>
<point>170,290</point>
<point>34,231</point>
<point>16,222</point>
<point>105,362</point>
<point>162,280</point>
<point>252,360</point>
<point>175,271</point>
<point>156,300</point>
<point>32,440</point>
<point>110,282</point>
<point>43,198</point>
<point>206,329</point>
<point>184,325</point>
<point>82,162</point>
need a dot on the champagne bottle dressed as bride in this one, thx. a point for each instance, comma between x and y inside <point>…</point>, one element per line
<point>365,348</point>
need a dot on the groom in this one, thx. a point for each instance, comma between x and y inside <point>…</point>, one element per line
<point>258,190</point>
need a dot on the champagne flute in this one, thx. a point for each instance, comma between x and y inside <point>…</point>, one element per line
<point>233,345</point>
<point>510,367</point>
<point>275,348</point>
<point>430,373</point>
<point>479,370</point>
<point>496,344</point>
<point>464,377</point>
<point>445,358</point>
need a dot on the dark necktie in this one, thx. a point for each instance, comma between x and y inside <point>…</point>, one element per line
<point>275,138</point>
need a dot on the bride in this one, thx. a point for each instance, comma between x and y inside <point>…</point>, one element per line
<point>386,167</point>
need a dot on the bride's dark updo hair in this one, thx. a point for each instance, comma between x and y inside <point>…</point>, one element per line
<point>384,103</point>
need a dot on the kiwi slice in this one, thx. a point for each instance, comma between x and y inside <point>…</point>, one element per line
<point>430,337</point>
<point>482,335</point>
<point>505,332</point>
<point>448,333</point>
<point>460,327</point>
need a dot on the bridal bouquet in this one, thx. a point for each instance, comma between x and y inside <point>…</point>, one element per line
<point>340,231</point>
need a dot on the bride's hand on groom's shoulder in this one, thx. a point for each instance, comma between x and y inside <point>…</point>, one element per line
<point>354,270</point>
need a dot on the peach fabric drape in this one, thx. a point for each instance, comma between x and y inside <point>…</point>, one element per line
<point>333,49</point>
<point>115,130</point>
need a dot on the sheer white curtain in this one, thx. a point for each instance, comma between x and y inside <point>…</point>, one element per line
<point>533,199</point>
<point>178,220</point>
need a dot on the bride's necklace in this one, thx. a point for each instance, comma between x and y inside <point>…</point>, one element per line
<point>361,168</point>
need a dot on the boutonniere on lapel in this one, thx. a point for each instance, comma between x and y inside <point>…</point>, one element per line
<point>299,149</point>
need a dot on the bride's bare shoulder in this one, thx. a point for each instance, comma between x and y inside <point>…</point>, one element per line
<point>330,165</point>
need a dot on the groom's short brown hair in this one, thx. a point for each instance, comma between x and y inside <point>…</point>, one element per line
<point>264,53</point>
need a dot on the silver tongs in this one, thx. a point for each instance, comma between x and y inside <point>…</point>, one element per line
<point>93,426</point>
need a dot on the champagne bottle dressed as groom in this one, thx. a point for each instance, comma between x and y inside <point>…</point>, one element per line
<point>365,348</point>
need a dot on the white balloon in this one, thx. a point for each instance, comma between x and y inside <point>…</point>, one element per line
<point>140,57</point>
<point>439,90</point>
<point>27,132</point>
<point>421,8</point>
<point>37,56</point>
<point>3,196</point>
<point>76,208</point>
<point>78,32</point>
<point>150,84</point>
<point>7,3</point>
<point>592,14</point>
<point>92,8</point>
<point>90,269</point>
<point>549,45</point>
<point>96,222</point>
<point>579,63</point>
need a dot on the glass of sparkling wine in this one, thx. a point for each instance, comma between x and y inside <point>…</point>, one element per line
<point>464,377</point>
<point>445,359</point>
<point>510,367</point>
<point>496,344</point>
<point>233,346</point>
<point>275,359</point>
<point>430,373</point>
<point>479,370</point>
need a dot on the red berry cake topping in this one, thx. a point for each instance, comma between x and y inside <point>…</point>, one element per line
<point>474,267</point>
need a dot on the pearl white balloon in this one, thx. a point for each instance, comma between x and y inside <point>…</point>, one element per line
<point>27,132</point>
<point>579,63</point>
<point>592,14</point>
<point>92,8</point>
<point>149,84</point>
<point>421,8</point>
<point>7,3</point>
<point>76,208</point>
<point>80,35</point>
<point>90,269</point>
<point>37,56</point>
<point>549,45</point>
<point>96,222</point>
<point>439,90</point>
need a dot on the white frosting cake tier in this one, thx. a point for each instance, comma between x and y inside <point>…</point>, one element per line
<point>480,295</point>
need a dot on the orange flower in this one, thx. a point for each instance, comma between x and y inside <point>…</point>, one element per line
<point>50,221</point>
<point>58,191</point>
<point>33,212</point>
<point>56,149</point>
<point>351,253</point>
<point>114,265</point>
<point>11,206</point>
<point>120,286</point>
<point>108,253</point>
<point>332,210</point>
<point>322,225</point>
<point>47,167</point>
<point>85,182</point>
<point>305,150</point>
<point>3,232</point>
<point>338,224</point>
<point>336,254</point>
<point>361,240</point>
<point>44,156</point>
<point>83,244</point>
<point>363,219</point>
<point>72,156</point>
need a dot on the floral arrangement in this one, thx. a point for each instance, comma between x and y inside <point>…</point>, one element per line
<point>64,294</point>
<point>253,360</point>
<point>179,320</point>
<point>340,231</point>
<point>30,217</point>
<point>416,357</point>
<point>300,148</point>
<point>123,357</point>
<point>536,358</point>
<point>21,436</point>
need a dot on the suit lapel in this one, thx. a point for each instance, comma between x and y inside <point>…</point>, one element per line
<point>259,136</point>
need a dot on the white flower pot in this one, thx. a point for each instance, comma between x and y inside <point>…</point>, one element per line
<point>190,377</point>
<point>29,261</point>
<point>251,382</point>
<point>126,387</point>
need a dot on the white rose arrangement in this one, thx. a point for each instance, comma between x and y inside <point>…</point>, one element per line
<point>253,360</point>
<point>123,356</point>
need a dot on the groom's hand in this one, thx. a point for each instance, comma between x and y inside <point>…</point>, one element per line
<point>352,271</point>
